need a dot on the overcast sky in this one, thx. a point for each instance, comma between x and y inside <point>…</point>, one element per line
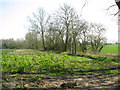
<point>13,15</point>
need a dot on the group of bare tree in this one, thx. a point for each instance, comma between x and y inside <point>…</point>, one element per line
<point>64,30</point>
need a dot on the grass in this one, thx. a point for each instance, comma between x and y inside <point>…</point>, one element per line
<point>110,49</point>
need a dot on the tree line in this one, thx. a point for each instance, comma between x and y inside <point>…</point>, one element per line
<point>64,30</point>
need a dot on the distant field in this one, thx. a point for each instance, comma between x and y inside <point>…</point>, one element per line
<point>110,49</point>
<point>5,51</point>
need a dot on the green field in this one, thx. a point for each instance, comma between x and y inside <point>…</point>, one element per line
<point>110,49</point>
<point>28,68</point>
<point>33,61</point>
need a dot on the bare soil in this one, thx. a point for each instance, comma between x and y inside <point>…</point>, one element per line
<point>20,50</point>
<point>88,81</point>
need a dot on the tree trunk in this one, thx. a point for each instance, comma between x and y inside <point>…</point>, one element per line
<point>43,40</point>
<point>100,48</point>
<point>75,46</point>
<point>66,41</point>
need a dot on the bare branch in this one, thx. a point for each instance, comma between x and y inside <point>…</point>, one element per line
<point>110,7</point>
<point>83,6</point>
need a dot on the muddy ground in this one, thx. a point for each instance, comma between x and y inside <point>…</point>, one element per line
<point>70,82</point>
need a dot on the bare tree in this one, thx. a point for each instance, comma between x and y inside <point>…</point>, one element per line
<point>76,29</point>
<point>96,37</point>
<point>65,14</point>
<point>83,35</point>
<point>39,23</point>
<point>55,36</point>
